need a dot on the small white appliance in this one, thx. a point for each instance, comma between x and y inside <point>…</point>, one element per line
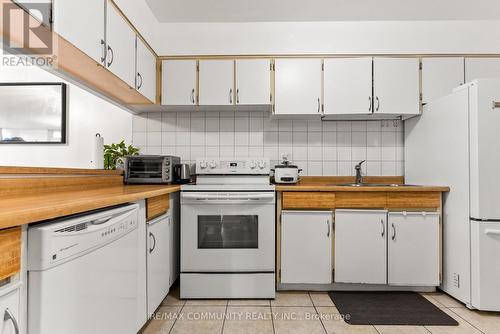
<point>455,143</point>
<point>228,231</point>
<point>286,172</point>
<point>158,281</point>
<point>83,274</point>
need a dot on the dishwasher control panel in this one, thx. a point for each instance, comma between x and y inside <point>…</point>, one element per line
<point>52,243</point>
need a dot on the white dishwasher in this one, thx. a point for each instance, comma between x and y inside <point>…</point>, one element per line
<point>83,274</point>
<point>158,262</point>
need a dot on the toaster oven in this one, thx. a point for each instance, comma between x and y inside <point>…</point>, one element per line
<point>150,169</point>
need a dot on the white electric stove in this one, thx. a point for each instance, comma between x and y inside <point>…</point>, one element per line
<point>228,230</point>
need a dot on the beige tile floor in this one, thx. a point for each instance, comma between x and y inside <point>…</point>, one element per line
<point>298,312</point>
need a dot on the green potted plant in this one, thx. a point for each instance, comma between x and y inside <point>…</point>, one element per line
<point>114,153</point>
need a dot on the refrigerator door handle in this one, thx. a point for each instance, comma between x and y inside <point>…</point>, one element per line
<point>489,231</point>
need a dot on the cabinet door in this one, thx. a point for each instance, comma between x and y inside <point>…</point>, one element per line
<point>146,71</point>
<point>361,246</point>
<point>297,86</point>
<point>306,247</point>
<point>348,86</point>
<point>179,82</point>
<point>253,81</point>
<point>217,82</point>
<point>477,68</point>
<point>120,40</point>
<point>440,76</point>
<point>413,249</point>
<point>396,85</point>
<point>158,262</point>
<point>9,312</point>
<point>71,21</point>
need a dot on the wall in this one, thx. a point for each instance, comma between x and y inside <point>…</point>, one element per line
<point>87,115</point>
<point>319,148</point>
<point>330,37</point>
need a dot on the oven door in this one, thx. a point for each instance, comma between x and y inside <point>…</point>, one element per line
<point>227,232</point>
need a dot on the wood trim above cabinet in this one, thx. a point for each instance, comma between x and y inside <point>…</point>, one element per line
<point>10,252</point>
<point>390,200</point>
<point>308,200</point>
<point>360,200</point>
<point>414,200</point>
<point>157,206</point>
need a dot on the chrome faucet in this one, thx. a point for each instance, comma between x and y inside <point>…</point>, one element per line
<point>359,176</point>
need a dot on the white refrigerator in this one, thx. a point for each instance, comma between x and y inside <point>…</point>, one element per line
<point>456,143</point>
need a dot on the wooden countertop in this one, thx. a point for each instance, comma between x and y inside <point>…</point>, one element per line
<point>25,209</point>
<point>33,194</point>
<point>336,188</point>
<point>313,183</point>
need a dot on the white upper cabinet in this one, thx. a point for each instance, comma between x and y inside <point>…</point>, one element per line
<point>476,68</point>
<point>396,86</point>
<point>360,246</point>
<point>216,82</point>
<point>253,81</point>
<point>413,249</point>
<point>440,76</point>
<point>179,82</point>
<point>146,71</point>
<point>71,21</point>
<point>298,86</point>
<point>120,46</point>
<point>348,86</point>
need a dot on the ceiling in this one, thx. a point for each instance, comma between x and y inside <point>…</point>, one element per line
<point>168,11</point>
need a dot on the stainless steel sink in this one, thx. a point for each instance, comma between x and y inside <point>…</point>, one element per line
<point>372,185</point>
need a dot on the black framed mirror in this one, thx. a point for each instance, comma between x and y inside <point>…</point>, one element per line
<point>33,113</point>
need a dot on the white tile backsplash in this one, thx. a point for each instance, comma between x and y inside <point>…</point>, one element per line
<point>319,148</point>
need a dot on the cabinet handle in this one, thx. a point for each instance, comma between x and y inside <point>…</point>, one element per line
<point>231,96</point>
<point>383,227</point>
<point>370,106</point>
<point>103,54</point>
<point>328,226</point>
<point>393,232</point>
<point>110,49</point>
<point>151,235</point>
<point>9,316</point>
<point>139,76</point>
<point>319,105</point>
<point>238,96</point>
<point>192,96</point>
<point>378,104</point>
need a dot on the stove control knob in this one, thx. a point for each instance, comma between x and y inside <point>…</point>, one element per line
<point>203,164</point>
<point>212,164</point>
<point>262,164</point>
<point>252,164</point>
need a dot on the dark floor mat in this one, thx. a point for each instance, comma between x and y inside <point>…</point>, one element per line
<point>389,308</point>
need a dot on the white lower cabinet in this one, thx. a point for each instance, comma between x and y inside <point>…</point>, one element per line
<point>413,249</point>
<point>158,261</point>
<point>306,247</point>
<point>10,312</point>
<point>361,246</point>
<point>174,234</point>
